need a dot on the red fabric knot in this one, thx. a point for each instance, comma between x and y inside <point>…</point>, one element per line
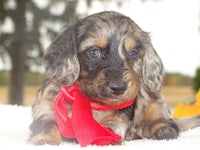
<point>81,125</point>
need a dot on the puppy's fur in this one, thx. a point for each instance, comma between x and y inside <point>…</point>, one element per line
<point>112,60</point>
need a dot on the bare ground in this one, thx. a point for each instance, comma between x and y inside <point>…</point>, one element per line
<point>173,94</point>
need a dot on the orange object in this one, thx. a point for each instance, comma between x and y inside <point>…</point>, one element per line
<point>183,110</point>
<point>186,110</point>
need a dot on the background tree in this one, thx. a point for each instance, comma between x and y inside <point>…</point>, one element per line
<point>196,83</point>
<point>24,45</point>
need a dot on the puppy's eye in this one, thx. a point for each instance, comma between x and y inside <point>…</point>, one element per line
<point>133,54</point>
<point>95,53</point>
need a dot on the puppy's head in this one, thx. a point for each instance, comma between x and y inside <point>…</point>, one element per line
<point>108,55</point>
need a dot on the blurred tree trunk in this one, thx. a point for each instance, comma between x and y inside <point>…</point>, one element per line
<point>17,54</point>
<point>26,36</point>
<point>196,80</point>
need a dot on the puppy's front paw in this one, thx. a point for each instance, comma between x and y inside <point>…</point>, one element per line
<point>165,132</point>
<point>51,137</point>
<point>166,129</point>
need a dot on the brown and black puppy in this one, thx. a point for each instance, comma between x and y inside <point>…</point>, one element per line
<point>112,60</point>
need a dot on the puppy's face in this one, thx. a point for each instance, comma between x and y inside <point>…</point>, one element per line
<point>111,57</point>
<point>111,62</point>
<point>108,55</point>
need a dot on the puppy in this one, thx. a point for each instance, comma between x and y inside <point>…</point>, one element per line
<point>112,60</point>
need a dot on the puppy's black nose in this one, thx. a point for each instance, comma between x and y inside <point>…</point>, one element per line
<point>118,87</point>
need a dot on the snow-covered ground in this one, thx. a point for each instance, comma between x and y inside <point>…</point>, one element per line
<point>14,132</point>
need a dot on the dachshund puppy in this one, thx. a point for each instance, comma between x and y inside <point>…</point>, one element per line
<point>112,60</point>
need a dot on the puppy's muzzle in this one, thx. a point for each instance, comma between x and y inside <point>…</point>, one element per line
<point>118,87</point>
<point>115,82</point>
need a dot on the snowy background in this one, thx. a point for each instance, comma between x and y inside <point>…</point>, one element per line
<point>14,132</point>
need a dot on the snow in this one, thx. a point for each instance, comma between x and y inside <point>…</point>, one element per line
<point>14,132</point>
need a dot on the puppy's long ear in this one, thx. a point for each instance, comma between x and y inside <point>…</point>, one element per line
<point>152,71</point>
<point>60,60</point>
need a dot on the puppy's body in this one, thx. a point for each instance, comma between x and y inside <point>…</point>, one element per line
<point>112,60</point>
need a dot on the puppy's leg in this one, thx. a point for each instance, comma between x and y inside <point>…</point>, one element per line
<point>50,135</point>
<point>115,121</point>
<point>158,123</point>
<point>44,127</point>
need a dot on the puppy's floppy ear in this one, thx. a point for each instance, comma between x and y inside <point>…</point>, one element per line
<point>60,60</point>
<point>152,70</point>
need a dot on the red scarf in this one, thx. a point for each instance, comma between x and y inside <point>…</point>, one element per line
<point>82,125</point>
